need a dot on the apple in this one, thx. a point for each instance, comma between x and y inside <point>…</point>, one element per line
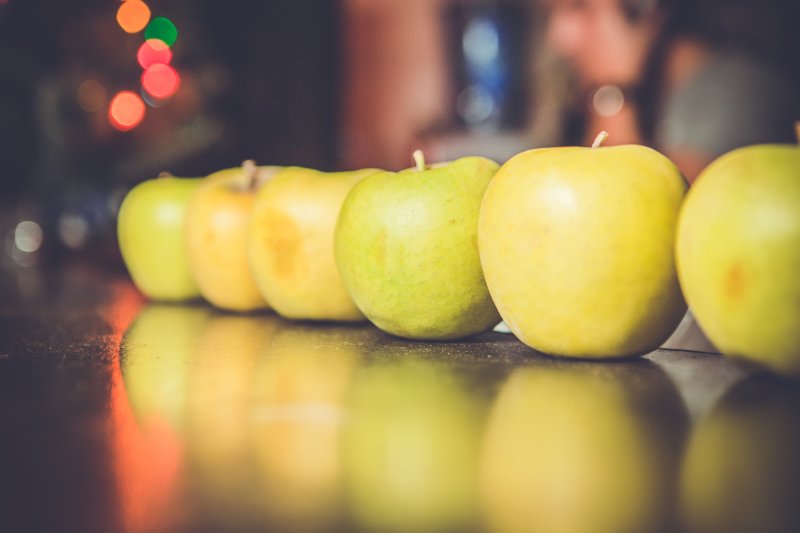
<point>412,446</point>
<point>577,245</point>
<point>406,248</point>
<point>738,253</point>
<point>291,244</point>
<point>150,231</point>
<point>217,220</point>
<point>575,447</point>
<point>741,471</point>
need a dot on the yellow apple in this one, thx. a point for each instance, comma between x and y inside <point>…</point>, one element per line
<point>150,230</point>
<point>577,246</point>
<point>217,221</point>
<point>738,254</point>
<point>291,243</point>
<point>741,472</point>
<point>576,448</point>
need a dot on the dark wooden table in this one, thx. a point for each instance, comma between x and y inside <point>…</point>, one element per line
<point>117,415</point>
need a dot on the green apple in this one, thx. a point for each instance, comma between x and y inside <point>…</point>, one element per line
<point>574,448</point>
<point>741,471</point>
<point>577,245</point>
<point>291,243</point>
<point>406,248</point>
<point>738,253</point>
<point>412,446</point>
<point>150,231</point>
<point>217,221</point>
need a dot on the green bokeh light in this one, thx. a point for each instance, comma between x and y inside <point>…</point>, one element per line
<point>162,28</point>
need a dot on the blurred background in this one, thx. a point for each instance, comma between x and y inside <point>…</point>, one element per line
<point>98,95</point>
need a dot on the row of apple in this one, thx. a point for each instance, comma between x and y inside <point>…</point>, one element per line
<point>584,252</point>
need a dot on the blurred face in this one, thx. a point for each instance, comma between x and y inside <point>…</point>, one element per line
<point>600,42</point>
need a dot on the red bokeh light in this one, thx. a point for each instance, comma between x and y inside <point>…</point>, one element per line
<point>126,110</point>
<point>153,52</point>
<point>160,81</point>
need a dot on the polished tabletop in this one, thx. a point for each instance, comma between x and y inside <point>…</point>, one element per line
<point>121,415</point>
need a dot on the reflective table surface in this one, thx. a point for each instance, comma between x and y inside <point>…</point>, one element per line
<point>119,415</point>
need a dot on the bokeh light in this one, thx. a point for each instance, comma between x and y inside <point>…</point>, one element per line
<point>133,15</point>
<point>91,95</point>
<point>73,229</point>
<point>160,81</point>
<point>161,28</point>
<point>152,52</point>
<point>126,110</point>
<point>28,236</point>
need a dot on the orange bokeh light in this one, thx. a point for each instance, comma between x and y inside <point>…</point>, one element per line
<point>160,81</point>
<point>133,15</point>
<point>126,110</point>
<point>152,52</point>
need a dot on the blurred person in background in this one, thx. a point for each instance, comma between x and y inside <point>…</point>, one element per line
<point>691,78</point>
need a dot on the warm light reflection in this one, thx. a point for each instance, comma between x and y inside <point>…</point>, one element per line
<point>126,110</point>
<point>133,15</point>
<point>160,81</point>
<point>153,51</point>
<point>146,453</point>
<point>162,28</point>
<point>579,447</point>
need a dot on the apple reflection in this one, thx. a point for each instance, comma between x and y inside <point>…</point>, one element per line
<point>298,415</point>
<point>244,415</point>
<point>155,354</point>
<point>742,469</point>
<point>581,447</point>
<point>219,398</point>
<point>411,447</point>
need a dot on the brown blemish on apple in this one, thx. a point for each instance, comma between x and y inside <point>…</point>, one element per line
<point>283,239</point>
<point>735,282</point>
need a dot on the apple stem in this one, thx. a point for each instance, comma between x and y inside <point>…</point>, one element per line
<point>251,173</point>
<point>419,159</point>
<point>165,174</point>
<point>600,139</point>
